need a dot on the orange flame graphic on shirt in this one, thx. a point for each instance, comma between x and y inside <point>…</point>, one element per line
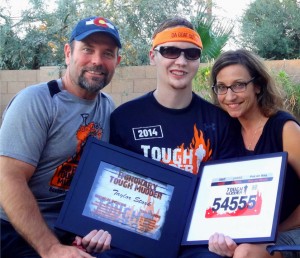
<point>200,149</point>
<point>64,173</point>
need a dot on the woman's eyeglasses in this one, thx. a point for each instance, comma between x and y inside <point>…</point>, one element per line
<point>175,52</point>
<point>236,87</point>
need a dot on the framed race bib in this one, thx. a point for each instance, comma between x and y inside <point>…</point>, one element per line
<point>239,198</point>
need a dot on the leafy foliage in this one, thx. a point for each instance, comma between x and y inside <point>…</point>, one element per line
<point>292,91</point>
<point>214,34</point>
<point>201,82</point>
<point>34,41</point>
<point>38,38</point>
<point>271,28</point>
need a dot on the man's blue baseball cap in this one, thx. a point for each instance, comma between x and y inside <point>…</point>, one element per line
<point>92,25</point>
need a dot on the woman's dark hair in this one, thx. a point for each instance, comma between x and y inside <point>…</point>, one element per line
<point>270,98</point>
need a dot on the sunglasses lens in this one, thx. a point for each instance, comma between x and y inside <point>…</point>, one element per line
<point>192,53</point>
<point>170,52</point>
<point>174,52</point>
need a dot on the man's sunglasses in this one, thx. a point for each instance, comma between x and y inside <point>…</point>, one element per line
<point>175,52</point>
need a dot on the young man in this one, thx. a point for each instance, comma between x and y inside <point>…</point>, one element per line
<point>42,136</point>
<point>172,124</point>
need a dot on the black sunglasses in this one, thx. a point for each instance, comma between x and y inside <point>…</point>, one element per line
<point>175,52</point>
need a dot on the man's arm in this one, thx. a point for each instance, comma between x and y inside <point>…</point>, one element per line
<point>22,209</point>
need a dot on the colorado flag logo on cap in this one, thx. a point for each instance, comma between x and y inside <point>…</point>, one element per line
<point>100,22</point>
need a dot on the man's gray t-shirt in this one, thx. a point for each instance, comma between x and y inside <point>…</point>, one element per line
<point>49,132</point>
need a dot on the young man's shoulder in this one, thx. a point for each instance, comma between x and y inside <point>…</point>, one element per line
<point>136,104</point>
<point>205,102</point>
<point>207,107</point>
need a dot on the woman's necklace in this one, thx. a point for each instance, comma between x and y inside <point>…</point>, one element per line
<point>254,134</point>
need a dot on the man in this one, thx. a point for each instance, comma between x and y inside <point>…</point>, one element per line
<point>172,124</point>
<point>42,136</point>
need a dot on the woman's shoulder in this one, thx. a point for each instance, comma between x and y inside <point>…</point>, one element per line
<point>281,117</point>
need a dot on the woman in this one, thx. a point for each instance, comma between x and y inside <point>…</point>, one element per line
<point>244,89</point>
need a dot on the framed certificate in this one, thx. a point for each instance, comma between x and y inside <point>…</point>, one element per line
<point>141,202</point>
<point>239,198</point>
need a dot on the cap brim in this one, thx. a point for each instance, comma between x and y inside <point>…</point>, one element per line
<point>88,33</point>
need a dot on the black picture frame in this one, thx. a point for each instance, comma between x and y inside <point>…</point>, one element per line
<point>228,207</point>
<point>103,158</point>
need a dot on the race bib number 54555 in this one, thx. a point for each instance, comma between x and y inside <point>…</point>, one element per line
<point>236,196</point>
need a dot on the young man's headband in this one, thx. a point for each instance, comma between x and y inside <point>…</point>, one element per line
<point>177,34</point>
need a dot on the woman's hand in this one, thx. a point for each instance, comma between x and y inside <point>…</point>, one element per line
<point>221,245</point>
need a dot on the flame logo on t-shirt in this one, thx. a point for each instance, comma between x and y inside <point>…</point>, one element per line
<point>189,158</point>
<point>64,173</point>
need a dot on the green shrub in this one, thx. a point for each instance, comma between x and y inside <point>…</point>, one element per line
<point>292,91</point>
<point>201,83</point>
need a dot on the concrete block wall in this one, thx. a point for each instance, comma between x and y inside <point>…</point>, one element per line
<point>131,82</point>
<point>291,67</point>
<point>128,82</point>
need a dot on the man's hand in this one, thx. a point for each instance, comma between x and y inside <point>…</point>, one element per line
<point>64,251</point>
